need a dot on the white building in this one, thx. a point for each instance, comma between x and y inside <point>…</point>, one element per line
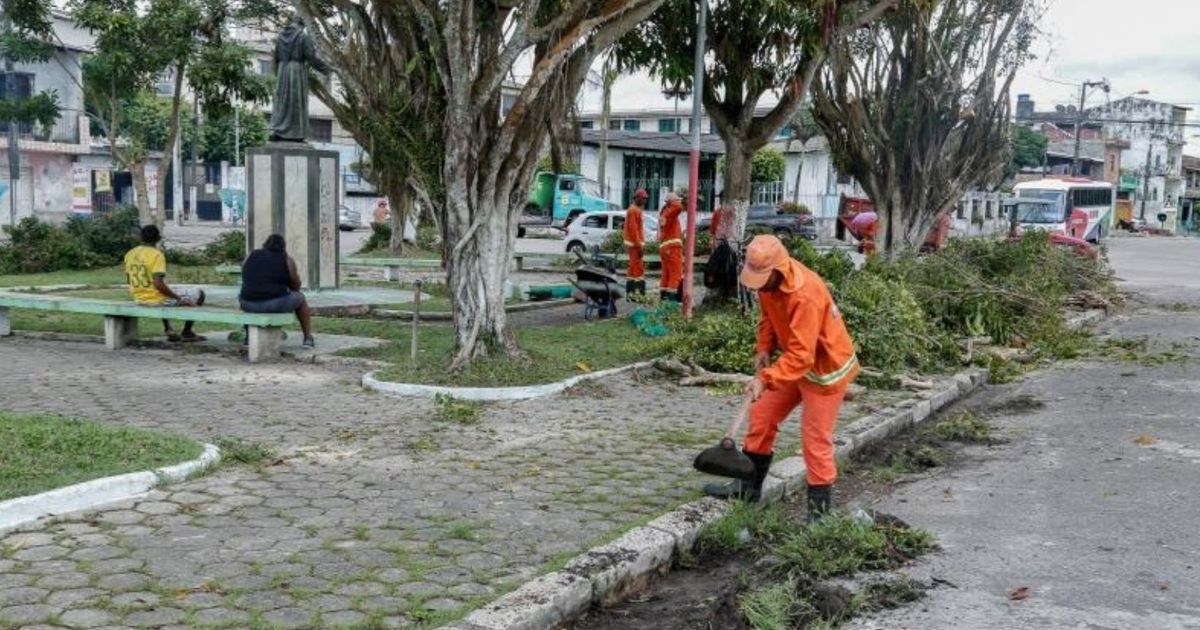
<point>1155,133</point>
<point>48,156</point>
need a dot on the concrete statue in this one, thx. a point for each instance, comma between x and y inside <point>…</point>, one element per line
<point>294,54</point>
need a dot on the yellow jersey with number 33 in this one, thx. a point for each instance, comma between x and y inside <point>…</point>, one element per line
<point>142,263</point>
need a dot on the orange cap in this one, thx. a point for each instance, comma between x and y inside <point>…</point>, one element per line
<point>764,254</point>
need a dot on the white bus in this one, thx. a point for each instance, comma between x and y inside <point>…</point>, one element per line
<point>1076,207</point>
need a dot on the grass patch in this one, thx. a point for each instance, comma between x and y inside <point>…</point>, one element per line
<point>888,594</point>
<point>843,545</point>
<point>239,451</point>
<point>553,352</point>
<point>964,427</point>
<point>774,606</point>
<point>105,276</point>
<point>453,410</point>
<point>906,461</point>
<point>43,452</point>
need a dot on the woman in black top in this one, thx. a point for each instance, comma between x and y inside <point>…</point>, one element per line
<point>271,284</point>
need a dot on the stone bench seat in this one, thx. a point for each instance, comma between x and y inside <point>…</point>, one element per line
<point>120,319</point>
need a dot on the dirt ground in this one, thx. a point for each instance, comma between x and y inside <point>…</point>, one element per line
<point>704,595</point>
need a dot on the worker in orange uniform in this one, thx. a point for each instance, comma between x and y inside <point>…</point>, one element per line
<point>635,243</point>
<point>815,364</point>
<point>670,249</point>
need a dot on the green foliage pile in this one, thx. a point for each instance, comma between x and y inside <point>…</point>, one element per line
<point>381,237</point>
<point>85,242</point>
<point>907,314</point>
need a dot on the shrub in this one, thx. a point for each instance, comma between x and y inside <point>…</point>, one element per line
<point>229,247</point>
<point>428,237</point>
<point>721,341</point>
<point>889,326</point>
<point>834,265</point>
<point>106,235</point>
<point>381,237</point>
<point>35,246</point>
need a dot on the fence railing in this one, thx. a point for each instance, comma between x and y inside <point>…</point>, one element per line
<point>766,193</point>
<point>65,130</point>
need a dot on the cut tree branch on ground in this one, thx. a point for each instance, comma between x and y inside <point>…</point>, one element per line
<point>904,380</point>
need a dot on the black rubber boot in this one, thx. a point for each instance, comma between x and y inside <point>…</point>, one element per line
<point>820,502</point>
<point>746,490</point>
<point>631,288</point>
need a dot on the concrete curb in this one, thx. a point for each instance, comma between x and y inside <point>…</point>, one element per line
<point>607,573</point>
<point>521,392</point>
<point>97,492</point>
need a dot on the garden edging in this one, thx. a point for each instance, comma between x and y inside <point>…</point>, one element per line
<point>606,573</point>
<point>517,392</point>
<point>96,492</point>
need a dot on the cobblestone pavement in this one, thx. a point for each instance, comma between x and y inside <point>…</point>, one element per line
<point>375,513</point>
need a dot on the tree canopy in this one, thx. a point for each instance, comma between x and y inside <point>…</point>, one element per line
<point>916,106</point>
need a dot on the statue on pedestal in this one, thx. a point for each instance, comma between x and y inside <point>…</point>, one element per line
<point>294,54</point>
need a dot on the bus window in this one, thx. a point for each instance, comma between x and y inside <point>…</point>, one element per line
<point>1057,197</point>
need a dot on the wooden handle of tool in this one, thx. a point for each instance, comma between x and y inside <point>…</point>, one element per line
<point>742,417</point>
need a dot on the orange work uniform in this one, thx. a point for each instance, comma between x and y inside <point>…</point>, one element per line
<point>670,250</point>
<point>816,364</point>
<point>635,242</point>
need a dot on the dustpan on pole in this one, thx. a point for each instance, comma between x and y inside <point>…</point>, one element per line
<point>726,459</point>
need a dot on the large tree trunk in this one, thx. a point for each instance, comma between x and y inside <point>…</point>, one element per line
<point>480,239</point>
<point>168,156</point>
<point>401,200</point>
<point>739,156</point>
<point>137,170</point>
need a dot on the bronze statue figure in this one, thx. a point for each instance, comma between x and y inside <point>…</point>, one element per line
<point>294,54</point>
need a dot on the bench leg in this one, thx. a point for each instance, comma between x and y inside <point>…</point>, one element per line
<point>119,331</point>
<point>266,343</point>
<point>5,325</point>
<point>391,274</point>
<point>520,263</point>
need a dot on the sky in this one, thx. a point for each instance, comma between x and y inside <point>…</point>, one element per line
<point>1149,45</point>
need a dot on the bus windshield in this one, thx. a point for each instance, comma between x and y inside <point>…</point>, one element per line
<point>1038,212</point>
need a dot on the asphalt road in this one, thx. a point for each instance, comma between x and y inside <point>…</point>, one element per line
<point>1091,506</point>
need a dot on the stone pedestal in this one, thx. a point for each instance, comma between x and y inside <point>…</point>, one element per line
<point>292,190</point>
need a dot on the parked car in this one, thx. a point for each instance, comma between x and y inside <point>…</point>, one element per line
<point>767,219</point>
<point>348,219</point>
<point>593,228</point>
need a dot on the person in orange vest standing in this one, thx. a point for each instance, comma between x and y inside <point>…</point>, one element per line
<point>670,249</point>
<point>635,243</point>
<point>803,354</point>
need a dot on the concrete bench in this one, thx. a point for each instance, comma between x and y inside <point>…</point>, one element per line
<point>120,319</point>
<point>392,266</point>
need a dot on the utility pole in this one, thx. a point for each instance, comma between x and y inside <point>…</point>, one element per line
<point>689,254</point>
<point>14,143</point>
<point>194,215</point>
<point>1102,84</point>
<point>1146,176</point>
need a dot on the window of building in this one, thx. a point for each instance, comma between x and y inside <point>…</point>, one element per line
<point>843,178</point>
<point>988,211</point>
<point>320,130</point>
<point>264,66</point>
<point>632,125</point>
<point>587,124</point>
<point>22,89</point>
<point>668,125</point>
<point>960,211</point>
<point>506,103</point>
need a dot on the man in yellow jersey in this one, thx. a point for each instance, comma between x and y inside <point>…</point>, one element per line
<point>146,272</point>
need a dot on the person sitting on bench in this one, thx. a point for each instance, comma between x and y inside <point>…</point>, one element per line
<point>271,284</point>
<point>146,272</point>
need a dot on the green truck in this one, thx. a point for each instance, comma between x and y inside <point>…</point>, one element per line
<point>557,199</point>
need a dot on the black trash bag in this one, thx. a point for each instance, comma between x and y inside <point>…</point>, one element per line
<point>721,270</point>
<point>725,460</point>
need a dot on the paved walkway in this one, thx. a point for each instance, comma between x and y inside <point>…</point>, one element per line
<point>375,512</point>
